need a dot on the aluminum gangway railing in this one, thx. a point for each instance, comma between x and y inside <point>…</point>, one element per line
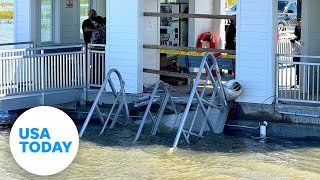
<point>164,98</point>
<point>217,102</point>
<point>120,103</point>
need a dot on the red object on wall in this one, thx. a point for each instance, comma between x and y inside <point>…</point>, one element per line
<point>208,37</point>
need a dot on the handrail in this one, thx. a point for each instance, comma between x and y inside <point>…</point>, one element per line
<point>299,63</point>
<point>56,47</point>
<point>42,48</point>
<point>17,43</point>
<point>41,55</point>
<point>296,55</point>
<point>14,50</point>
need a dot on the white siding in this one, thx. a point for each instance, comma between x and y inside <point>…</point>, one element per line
<point>151,58</point>
<point>124,42</point>
<point>256,42</point>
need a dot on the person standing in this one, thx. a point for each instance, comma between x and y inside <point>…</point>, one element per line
<point>87,26</point>
<point>296,47</point>
<point>99,32</point>
<point>231,35</point>
<point>231,38</point>
<point>296,51</point>
<point>297,30</point>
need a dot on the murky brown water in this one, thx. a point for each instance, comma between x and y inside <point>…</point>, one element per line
<point>113,155</point>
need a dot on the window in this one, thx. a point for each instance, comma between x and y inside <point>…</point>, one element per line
<point>292,8</point>
<point>84,8</point>
<point>46,13</point>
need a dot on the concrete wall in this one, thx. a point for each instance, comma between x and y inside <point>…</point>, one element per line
<point>124,41</point>
<point>151,35</point>
<point>256,49</point>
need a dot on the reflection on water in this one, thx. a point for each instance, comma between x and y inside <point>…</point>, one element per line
<point>6,33</point>
<point>113,155</point>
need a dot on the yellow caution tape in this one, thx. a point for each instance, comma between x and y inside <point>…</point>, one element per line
<point>193,53</point>
<point>228,56</point>
<point>187,53</point>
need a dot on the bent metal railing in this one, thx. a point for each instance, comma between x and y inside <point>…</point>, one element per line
<point>298,81</point>
<point>46,70</point>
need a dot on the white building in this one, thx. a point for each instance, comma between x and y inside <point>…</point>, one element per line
<point>128,30</point>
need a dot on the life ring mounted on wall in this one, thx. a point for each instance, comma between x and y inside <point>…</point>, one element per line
<point>206,37</point>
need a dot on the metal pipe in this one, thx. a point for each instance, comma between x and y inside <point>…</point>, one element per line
<point>300,114</point>
<point>245,127</point>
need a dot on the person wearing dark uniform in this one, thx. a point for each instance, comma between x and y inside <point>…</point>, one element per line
<point>295,43</point>
<point>87,26</point>
<point>230,36</point>
<point>297,30</point>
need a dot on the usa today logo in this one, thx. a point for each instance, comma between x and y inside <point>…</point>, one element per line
<point>44,141</point>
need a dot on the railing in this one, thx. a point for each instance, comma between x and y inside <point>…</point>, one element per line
<point>16,52</point>
<point>27,44</point>
<point>96,65</point>
<point>298,81</point>
<point>42,72</point>
<point>284,47</point>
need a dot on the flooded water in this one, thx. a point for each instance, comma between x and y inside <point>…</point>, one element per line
<point>6,26</point>
<point>6,33</point>
<point>113,155</point>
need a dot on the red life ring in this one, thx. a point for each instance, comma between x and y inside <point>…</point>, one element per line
<point>208,37</point>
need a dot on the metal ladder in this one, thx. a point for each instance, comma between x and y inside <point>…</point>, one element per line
<point>120,101</point>
<point>216,101</point>
<point>166,97</point>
